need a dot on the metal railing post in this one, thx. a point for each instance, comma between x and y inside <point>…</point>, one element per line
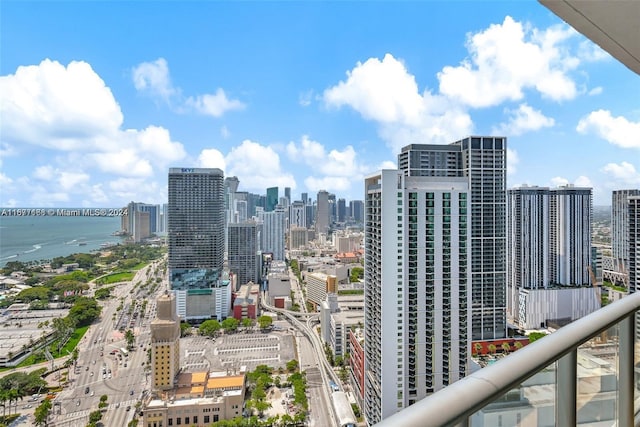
<point>566,389</point>
<point>626,372</point>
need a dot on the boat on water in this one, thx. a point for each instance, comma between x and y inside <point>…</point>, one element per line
<point>107,244</point>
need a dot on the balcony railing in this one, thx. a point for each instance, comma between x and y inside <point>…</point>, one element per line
<point>585,378</point>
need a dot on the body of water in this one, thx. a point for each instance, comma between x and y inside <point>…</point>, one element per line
<point>35,238</point>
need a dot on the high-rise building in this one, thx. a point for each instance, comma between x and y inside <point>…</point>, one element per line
<point>356,209</point>
<point>196,227</point>
<point>418,293</point>
<point>287,193</point>
<point>197,242</point>
<point>549,250</point>
<point>165,343</point>
<point>620,225</point>
<point>570,235</point>
<point>310,215</point>
<point>273,233</point>
<point>332,208</point>
<point>322,212</point>
<point>341,210</point>
<point>272,199</point>
<point>231,184</point>
<point>633,230</point>
<point>297,215</point>
<point>482,161</point>
<point>243,247</point>
<point>141,221</point>
<point>305,198</point>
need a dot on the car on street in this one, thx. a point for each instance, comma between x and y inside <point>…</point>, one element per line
<point>86,390</point>
<point>128,408</point>
<point>131,393</point>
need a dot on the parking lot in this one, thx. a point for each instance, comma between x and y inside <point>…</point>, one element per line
<point>236,350</point>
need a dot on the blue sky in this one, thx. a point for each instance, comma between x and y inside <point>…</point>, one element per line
<point>99,99</point>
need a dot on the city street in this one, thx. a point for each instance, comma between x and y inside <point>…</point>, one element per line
<point>103,368</point>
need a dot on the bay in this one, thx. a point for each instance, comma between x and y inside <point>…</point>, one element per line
<point>36,238</point>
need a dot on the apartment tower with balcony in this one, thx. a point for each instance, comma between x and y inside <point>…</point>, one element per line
<point>418,293</point>
<point>197,242</point>
<point>482,161</point>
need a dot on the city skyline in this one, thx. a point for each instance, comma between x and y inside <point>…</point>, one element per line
<point>95,117</point>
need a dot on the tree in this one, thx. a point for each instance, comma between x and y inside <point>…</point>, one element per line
<point>42,412</point>
<point>491,348</point>
<point>264,322</point>
<point>357,273</point>
<point>506,347</point>
<point>95,416</point>
<point>84,311</point>
<point>292,365</point>
<point>247,323</point>
<point>478,348</point>
<point>518,345</point>
<point>262,406</point>
<point>130,338</point>
<point>185,329</point>
<point>209,327</point>
<point>230,324</point>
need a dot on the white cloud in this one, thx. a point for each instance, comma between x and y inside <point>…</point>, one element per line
<point>331,170</point>
<point>258,165</point>
<point>44,173</point>
<point>595,91</point>
<point>211,158</point>
<point>512,161</point>
<point>153,77</point>
<point>523,119</point>
<point>616,130</point>
<point>70,112</point>
<point>625,173</point>
<point>583,181</point>
<point>505,59</point>
<point>57,107</point>
<point>329,183</point>
<point>70,180</point>
<point>385,92</point>
<point>214,105</point>
<point>591,52</point>
<point>559,181</point>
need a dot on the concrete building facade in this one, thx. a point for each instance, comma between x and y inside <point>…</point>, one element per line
<point>242,251</point>
<point>482,161</point>
<point>196,227</point>
<point>418,288</point>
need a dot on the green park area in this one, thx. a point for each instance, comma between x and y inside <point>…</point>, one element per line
<point>122,276</point>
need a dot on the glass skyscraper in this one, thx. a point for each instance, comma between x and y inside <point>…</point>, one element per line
<point>196,227</point>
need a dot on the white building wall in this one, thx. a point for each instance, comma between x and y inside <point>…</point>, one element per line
<point>538,306</point>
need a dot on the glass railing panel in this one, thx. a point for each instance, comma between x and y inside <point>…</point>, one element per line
<point>597,376</point>
<point>532,404</point>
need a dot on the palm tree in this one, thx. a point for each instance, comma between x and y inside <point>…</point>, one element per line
<point>13,396</point>
<point>130,338</point>
<point>518,345</point>
<point>506,347</point>
<point>491,348</point>
<point>478,348</point>
<point>4,396</point>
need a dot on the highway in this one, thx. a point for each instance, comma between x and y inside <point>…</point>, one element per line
<point>103,369</point>
<point>318,414</point>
